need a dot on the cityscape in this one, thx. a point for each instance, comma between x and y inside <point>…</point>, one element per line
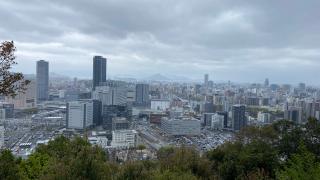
<point>118,115</point>
<point>196,124</point>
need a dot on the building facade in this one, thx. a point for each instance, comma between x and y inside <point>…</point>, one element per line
<point>42,80</point>
<point>142,94</point>
<point>111,93</point>
<point>160,104</point>
<point>181,126</point>
<point>124,139</point>
<point>79,115</point>
<point>239,117</point>
<point>99,71</point>
<point>24,100</point>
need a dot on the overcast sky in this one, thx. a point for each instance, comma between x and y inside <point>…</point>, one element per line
<point>244,41</point>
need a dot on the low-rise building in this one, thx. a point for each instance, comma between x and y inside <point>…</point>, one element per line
<point>181,126</point>
<point>160,104</point>
<point>124,139</point>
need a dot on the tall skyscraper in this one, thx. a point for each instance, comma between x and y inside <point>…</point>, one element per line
<point>239,117</point>
<point>142,94</point>
<point>99,71</point>
<point>206,80</point>
<point>42,80</point>
<point>266,82</point>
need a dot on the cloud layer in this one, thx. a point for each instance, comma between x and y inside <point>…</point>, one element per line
<point>231,40</point>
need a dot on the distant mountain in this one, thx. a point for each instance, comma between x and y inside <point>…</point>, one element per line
<point>179,78</point>
<point>56,76</point>
<point>157,77</point>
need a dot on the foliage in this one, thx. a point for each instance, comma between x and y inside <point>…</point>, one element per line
<point>302,165</point>
<point>10,83</point>
<point>283,150</point>
<point>9,166</point>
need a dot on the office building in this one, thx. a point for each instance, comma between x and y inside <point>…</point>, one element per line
<point>119,123</point>
<point>9,109</point>
<point>206,80</point>
<point>79,115</point>
<point>252,101</point>
<point>225,118</point>
<point>99,71</point>
<point>293,114</point>
<point>208,107</point>
<point>111,93</point>
<point>207,119</point>
<point>187,126</point>
<point>97,112</point>
<point>123,139</point>
<point>142,94</point>
<point>2,114</point>
<point>302,86</point>
<point>264,117</point>
<point>266,82</point>
<point>239,117</point>
<point>42,80</point>
<point>111,111</point>
<point>24,100</point>
<point>160,104</point>
<point>264,101</point>
<point>131,95</point>
<point>217,121</point>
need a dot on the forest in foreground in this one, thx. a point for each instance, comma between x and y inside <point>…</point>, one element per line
<point>282,150</point>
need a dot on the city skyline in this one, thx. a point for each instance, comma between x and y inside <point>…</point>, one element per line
<point>241,42</point>
<point>161,89</point>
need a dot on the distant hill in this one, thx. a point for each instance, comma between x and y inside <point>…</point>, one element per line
<point>157,77</point>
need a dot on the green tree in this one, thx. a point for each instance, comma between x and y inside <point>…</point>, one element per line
<point>9,166</point>
<point>302,165</point>
<point>10,83</point>
<point>34,166</point>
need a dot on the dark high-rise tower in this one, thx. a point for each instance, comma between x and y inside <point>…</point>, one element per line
<point>266,82</point>
<point>239,117</point>
<point>42,80</point>
<point>206,80</point>
<point>142,94</point>
<point>99,71</point>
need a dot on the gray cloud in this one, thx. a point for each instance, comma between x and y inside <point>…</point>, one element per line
<point>231,40</point>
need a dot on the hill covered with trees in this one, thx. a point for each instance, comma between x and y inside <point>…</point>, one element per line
<point>281,150</point>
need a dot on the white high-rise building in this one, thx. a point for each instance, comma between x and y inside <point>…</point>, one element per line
<point>264,117</point>
<point>79,114</point>
<point>111,93</point>
<point>124,138</point>
<point>206,80</point>
<point>217,121</point>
